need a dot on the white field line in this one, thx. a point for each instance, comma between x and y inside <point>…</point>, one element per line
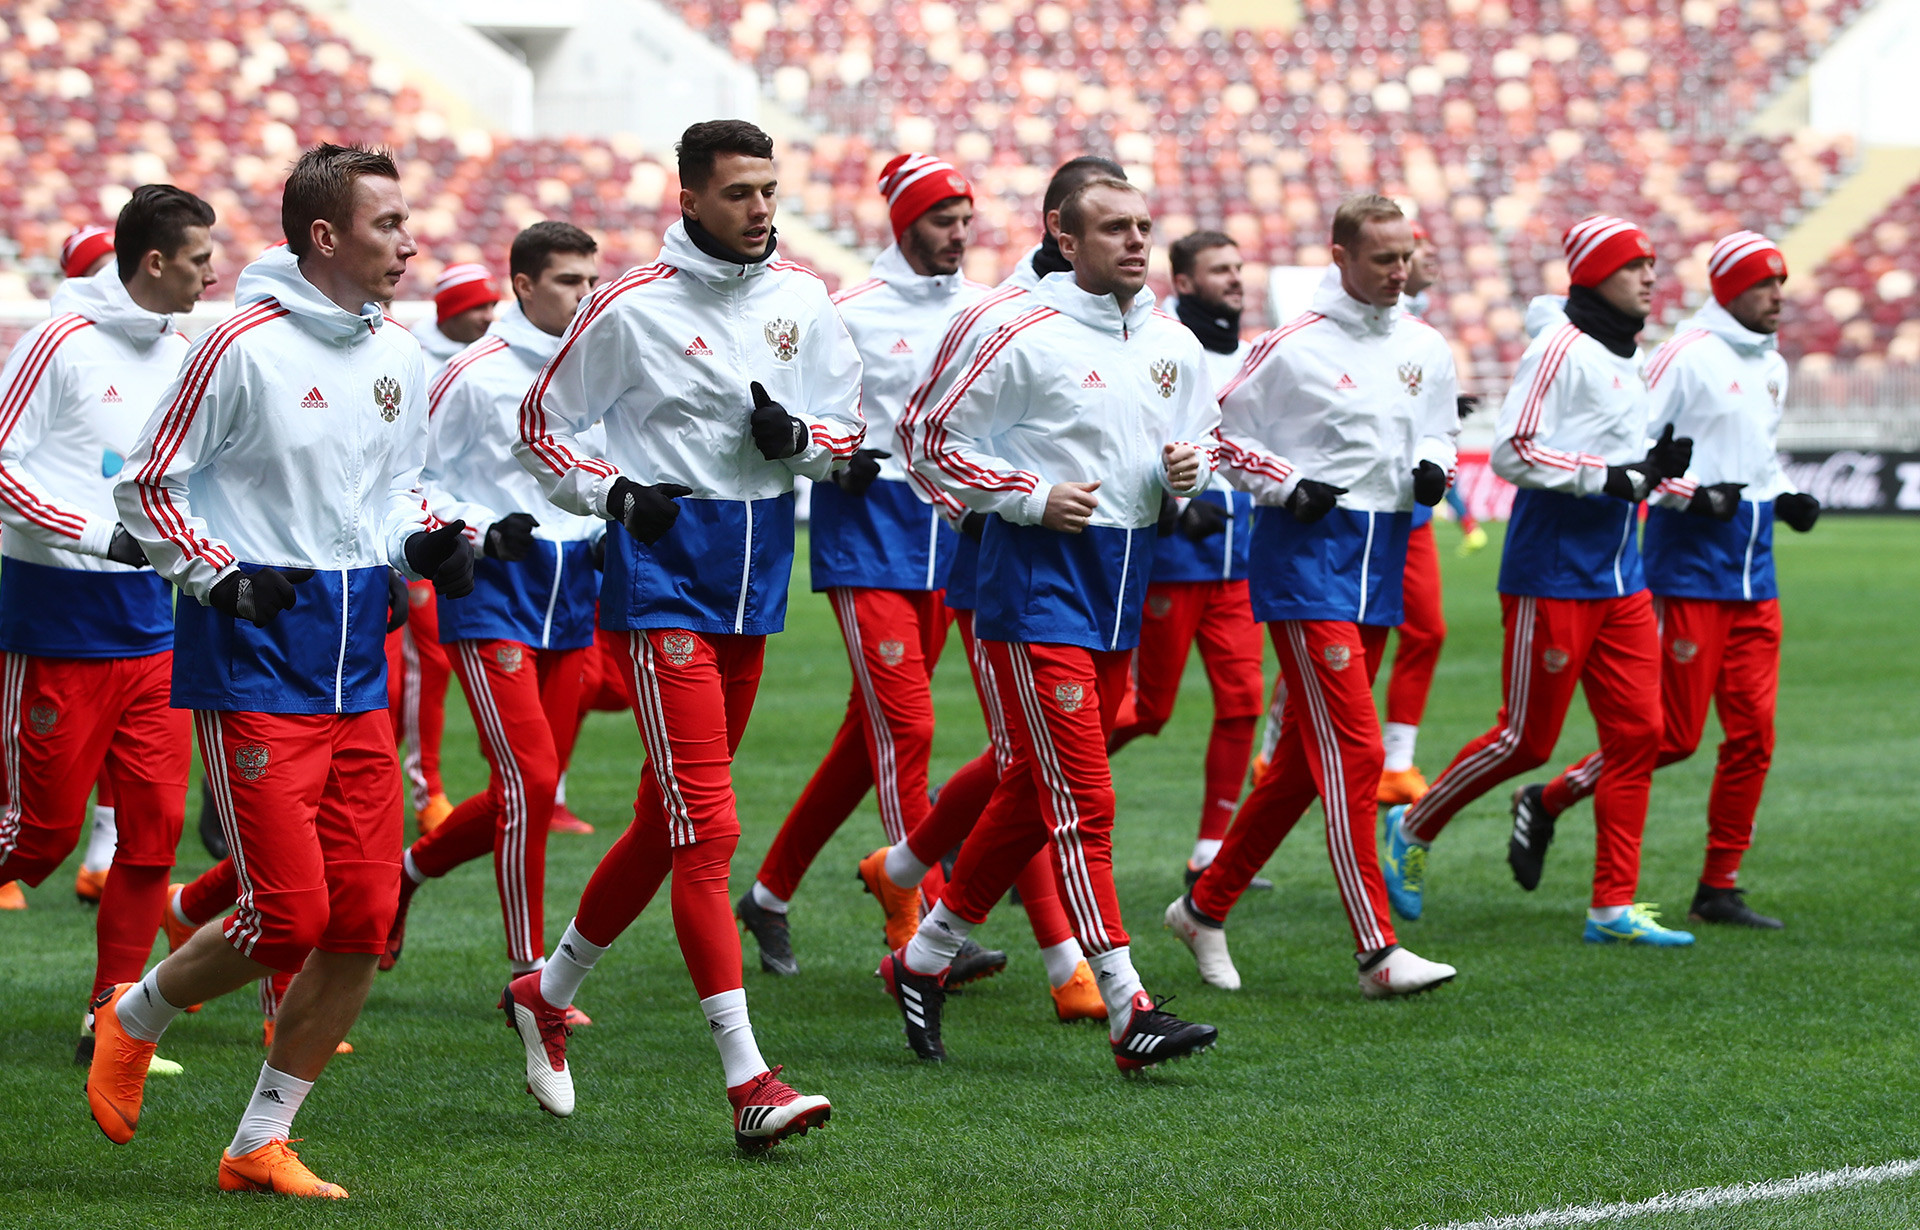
<point>1699,1198</point>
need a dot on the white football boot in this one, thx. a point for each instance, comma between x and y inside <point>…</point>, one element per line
<point>1207,943</point>
<point>1402,973</point>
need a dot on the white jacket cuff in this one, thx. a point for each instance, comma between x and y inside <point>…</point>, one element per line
<point>96,537</point>
<point>1033,507</point>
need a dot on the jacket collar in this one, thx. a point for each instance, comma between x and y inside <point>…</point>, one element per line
<point>893,269</point>
<point>1100,312</point>
<point>1545,312</point>
<point>512,327</point>
<point>679,250</point>
<point>104,300</point>
<point>276,275</point>
<point>1720,322</point>
<point>1331,300</point>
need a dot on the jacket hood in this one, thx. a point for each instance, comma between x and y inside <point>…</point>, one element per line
<point>893,269</point>
<point>1546,312</point>
<point>104,300</point>
<point>512,327</point>
<point>679,250</point>
<point>1417,305</point>
<point>1330,299</point>
<point>1061,293</point>
<point>1720,322</point>
<point>276,275</point>
<point>1023,275</point>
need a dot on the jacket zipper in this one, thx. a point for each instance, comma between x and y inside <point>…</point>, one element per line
<point>1746,569</point>
<point>1120,606</point>
<point>1626,533</point>
<point>553,599</point>
<point>340,662</point>
<point>746,574</point>
<point>1366,558</point>
<point>933,544</point>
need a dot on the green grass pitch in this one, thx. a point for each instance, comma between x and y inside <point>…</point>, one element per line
<point>1549,1074</point>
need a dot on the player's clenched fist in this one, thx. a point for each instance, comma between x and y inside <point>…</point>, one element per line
<point>1069,505</point>
<point>1183,465</point>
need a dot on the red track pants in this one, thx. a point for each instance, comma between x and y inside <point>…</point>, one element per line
<point>1329,748</point>
<point>1726,654</point>
<point>525,703</point>
<point>894,638</point>
<point>1219,616</point>
<point>1422,632</point>
<point>1611,647</point>
<point>417,670</point>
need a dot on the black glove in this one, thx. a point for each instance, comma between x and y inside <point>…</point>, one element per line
<point>1719,501</point>
<point>597,553</point>
<point>122,549</point>
<point>776,433</point>
<point>1797,510</point>
<point>1669,458</point>
<point>860,472</point>
<point>396,601</point>
<point>510,538</point>
<point>1631,483</point>
<point>1429,483</point>
<point>1169,516</point>
<point>1312,500</point>
<point>1465,404</point>
<point>445,557</point>
<point>647,512</point>
<point>973,525</point>
<point>1202,519</point>
<point>257,597</point>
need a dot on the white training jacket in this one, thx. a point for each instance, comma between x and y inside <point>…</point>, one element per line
<point>75,392</point>
<point>1073,390</point>
<point>665,353</point>
<point>1722,385</point>
<point>1347,394</point>
<point>293,436</point>
<point>473,424</point>
<point>1574,408</point>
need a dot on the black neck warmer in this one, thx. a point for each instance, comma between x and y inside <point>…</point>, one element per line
<point>1048,259</point>
<point>1216,325</point>
<point>1602,321</point>
<point>703,239</point>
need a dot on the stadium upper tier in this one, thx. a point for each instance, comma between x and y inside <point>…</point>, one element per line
<point>1496,118</point>
<point>1865,301</point>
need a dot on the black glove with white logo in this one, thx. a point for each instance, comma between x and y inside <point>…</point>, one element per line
<point>776,433</point>
<point>1312,500</point>
<point>1797,510</point>
<point>122,549</point>
<point>1429,483</point>
<point>1669,458</point>
<point>858,474</point>
<point>1169,516</point>
<point>973,525</point>
<point>1630,483</point>
<point>1719,501</point>
<point>510,538</point>
<point>1465,404</point>
<point>396,601</point>
<point>646,512</point>
<point>445,557</point>
<point>257,597</point>
<point>1202,519</point>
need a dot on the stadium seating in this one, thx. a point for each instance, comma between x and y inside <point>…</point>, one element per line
<point>1862,303</point>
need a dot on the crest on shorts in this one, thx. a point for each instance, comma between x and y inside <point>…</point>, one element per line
<point>1555,660</point>
<point>251,760</point>
<point>1070,697</point>
<point>893,653</point>
<point>678,647</point>
<point>1165,375</point>
<point>1411,375</point>
<point>42,717</point>
<point>509,657</point>
<point>784,337</point>
<point>1685,652</point>
<point>1158,605</point>
<point>1338,656</point>
<point>386,395</point>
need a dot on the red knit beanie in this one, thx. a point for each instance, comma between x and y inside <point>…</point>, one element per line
<point>1598,246</point>
<point>1740,260</point>
<point>83,247</point>
<point>915,183</point>
<point>460,288</point>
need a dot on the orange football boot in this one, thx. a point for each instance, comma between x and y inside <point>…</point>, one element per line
<point>1401,786</point>
<point>1078,998</point>
<point>564,821</point>
<point>274,1167</point>
<point>88,885</point>
<point>575,1018</point>
<point>117,1077</point>
<point>266,1040</point>
<point>435,813</point>
<point>11,898</point>
<point>901,904</point>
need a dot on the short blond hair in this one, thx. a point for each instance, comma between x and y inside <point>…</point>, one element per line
<point>1356,211</point>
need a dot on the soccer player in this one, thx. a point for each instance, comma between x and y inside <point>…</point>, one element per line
<point>1199,585</point>
<point>879,552</point>
<point>721,372</point>
<point>1573,437</point>
<point>1069,425</point>
<point>1709,561</point>
<point>83,621</point>
<point>1342,420</point>
<point>274,486</point>
<point>519,640</point>
<point>463,306</point>
<point>1420,279</point>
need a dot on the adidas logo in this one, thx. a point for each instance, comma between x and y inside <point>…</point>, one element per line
<point>1093,381</point>
<point>753,1118</point>
<point>1145,1044</point>
<point>568,949</point>
<point>1616,383</point>
<point>111,397</point>
<point>273,1095</point>
<point>1734,387</point>
<point>901,347</point>
<point>699,346</point>
<point>313,400</point>
<point>1346,384</point>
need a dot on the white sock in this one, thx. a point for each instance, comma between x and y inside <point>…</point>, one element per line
<point>938,940</point>
<point>766,900</point>
<point>1406,831</point>
<point>100,842</point>
<point>413,871</point>
<point>143,1011</point>
<point>173,904</point>
<point>903,868</point>
<point>1398,739</point>
<point>527,967</point>
<point>1607,913</point>
<point>572,960</point>
<point>276,1099</point>
<point>733,1034</point>
<point>1114,974</point>
<point>560,792</point>
<point>1062,960</point>
<point>1205,851</point>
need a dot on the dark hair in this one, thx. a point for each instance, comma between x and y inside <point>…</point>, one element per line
<point>534,246</point>
<point>1074,172</point>
<point>1356,211</point>
<point>1073,210</point>
<point>706,141</point>
<point>1187,250</point>
<point>155,220</point>
<point>320,188</point>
